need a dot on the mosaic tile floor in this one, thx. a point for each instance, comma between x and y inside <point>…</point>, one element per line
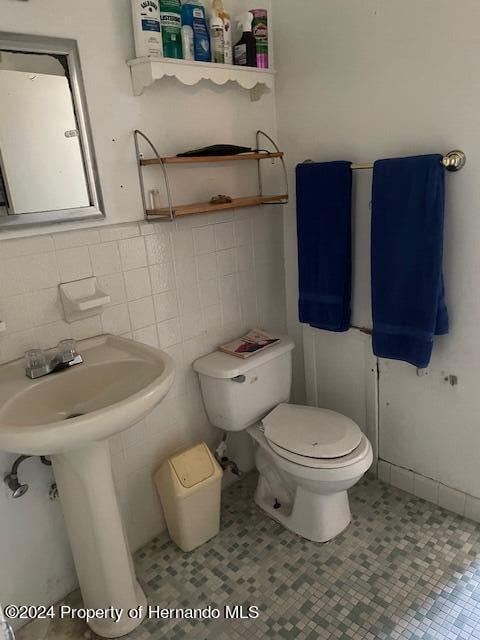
<point>403,569</point>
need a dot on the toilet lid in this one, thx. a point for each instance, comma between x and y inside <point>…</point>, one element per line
<point>311,432</point>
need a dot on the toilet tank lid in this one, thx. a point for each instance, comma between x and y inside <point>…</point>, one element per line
<point>223,366</point>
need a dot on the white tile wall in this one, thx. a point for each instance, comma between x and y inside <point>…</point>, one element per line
<point>472,508</point>
<point>384,471</point>
<point>430,490</point>
<point>425,488</point>
<point>184,286</point>
<point>105,258</point>
<point>451,499</point>
<point>402,479</point>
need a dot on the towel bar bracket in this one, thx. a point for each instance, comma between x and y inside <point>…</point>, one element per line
<point>455,160</point>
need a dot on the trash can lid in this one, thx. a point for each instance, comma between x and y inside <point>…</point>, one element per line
<point>193,466</point>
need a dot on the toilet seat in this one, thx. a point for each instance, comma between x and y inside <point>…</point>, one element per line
<point>308,434</point>
<point>355,456</point>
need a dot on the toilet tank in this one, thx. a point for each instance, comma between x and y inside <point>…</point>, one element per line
<point>238,393</point>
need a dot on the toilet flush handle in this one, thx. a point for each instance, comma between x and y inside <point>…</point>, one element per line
<point>239,379</point>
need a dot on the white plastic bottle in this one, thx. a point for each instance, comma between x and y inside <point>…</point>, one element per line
<point>227,26</point>
<point>147,29</point>
<point>217,9</point>
<point>217,37</point>
<point>188,42</point>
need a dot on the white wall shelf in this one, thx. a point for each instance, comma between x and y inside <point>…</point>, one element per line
<point>146,71</point>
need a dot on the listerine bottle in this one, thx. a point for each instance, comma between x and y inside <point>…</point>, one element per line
<point>171,19</point>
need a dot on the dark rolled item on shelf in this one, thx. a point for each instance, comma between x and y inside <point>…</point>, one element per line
<point>216,150</point>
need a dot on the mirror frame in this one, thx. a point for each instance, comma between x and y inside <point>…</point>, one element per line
<point>68,48</point>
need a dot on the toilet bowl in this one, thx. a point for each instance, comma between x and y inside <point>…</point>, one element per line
<point>307,457</point>
<point>308,495</point>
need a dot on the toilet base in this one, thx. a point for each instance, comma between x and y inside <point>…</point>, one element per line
<point>314,516</point>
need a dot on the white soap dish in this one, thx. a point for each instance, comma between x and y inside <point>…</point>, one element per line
<point>82,299</point>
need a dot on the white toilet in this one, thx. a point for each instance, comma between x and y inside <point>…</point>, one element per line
<point>307,457</point>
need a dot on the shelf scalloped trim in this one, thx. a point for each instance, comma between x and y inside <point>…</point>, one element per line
<point>146,71</point>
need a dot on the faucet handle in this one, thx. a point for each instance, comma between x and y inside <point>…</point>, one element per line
<point>35,359</point>
<point>67,350</point>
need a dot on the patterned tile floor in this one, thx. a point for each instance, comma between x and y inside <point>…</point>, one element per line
<point>403,569</point>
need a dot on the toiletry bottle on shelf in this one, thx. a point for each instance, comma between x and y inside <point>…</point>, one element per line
<point>170,17</point>
<point>188,42</point>
<point>147,29</point>
<point>193,17</point>
<point>217,37</point>
<point>227,30</point>
<point>260,33</point>
<point>245,51</point>
<point>227,26</point>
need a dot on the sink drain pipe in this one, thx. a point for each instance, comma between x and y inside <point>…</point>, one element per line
<point>11,479</point>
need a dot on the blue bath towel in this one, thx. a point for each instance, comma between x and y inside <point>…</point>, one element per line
<point>324,202</point>
<point>408,303</point>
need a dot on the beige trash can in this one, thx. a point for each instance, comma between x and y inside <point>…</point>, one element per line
<point>189,486</point>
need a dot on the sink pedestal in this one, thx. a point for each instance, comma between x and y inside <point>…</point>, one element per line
<point>97,536</point>
<point>69,416</point>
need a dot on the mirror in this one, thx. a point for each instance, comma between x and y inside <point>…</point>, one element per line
<point>47,167</point>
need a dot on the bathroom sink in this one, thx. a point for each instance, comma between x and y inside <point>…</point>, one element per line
<point>69,415</point>
<point>119,382</point>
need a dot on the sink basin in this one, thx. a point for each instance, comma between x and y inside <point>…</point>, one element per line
<point>119,382</point>
<point>69,415</point>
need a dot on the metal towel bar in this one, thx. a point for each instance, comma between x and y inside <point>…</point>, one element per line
<point>452,161</point>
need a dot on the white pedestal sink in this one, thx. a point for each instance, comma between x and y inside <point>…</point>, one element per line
<point>69,416</point>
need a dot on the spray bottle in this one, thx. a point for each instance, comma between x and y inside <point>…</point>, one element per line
<point>218,9</point>
<point>245,51</point>
<point>260,33</point>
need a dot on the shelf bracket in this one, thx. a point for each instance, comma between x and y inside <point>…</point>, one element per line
<point>261,134</point>
<point>171,215</point>
<point>256,93</point>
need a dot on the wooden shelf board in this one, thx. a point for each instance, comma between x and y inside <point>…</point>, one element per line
<point>207,207</point>
<point>210,159</point>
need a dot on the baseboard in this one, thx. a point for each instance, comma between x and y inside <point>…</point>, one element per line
<point>430,490</point>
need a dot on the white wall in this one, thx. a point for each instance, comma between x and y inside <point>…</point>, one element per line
<point>185,287</point>
<point>372,79</point>
<point>341,375</point>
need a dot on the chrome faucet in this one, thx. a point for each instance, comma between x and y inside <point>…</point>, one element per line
<point>41,363</point>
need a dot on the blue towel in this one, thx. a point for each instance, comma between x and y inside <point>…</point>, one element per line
<point>324,203</point>
<point>408,301</point>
